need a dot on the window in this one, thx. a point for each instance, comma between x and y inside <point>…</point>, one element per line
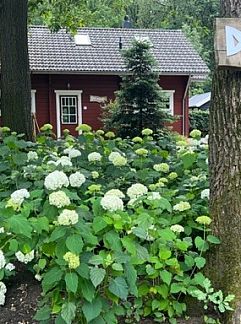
<point>168,101</point>
<point>82,39</point>
<point>69,109</point>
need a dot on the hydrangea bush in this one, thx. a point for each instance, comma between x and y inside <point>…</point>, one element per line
<point>110,227</point>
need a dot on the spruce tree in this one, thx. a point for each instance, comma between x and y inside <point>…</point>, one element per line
<point>139,101</point>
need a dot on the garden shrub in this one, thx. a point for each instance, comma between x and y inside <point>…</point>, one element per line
<point>110,227</point>
<point>199,119</point>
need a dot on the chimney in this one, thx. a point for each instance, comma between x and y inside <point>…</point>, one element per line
<point>126,23</point>
<point>120,43</point>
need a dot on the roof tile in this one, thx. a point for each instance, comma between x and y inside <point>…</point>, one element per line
<point>57,52</point>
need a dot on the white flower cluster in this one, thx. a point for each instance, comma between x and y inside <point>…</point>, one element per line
<point>2,230</point>
<point>3,291</point>
<point>112,203</point>
<point>136,190</point>
<point>95,174</point>
<point>72,153</point>
<point>113,155</point>
<point>182,206</point>
<point>115,192</point>
<point>59,199</point>
<point>2,260</point>
<point>32,156</point>
<point>56,180</point>
<point>154,195</point>
<point>25,258</point>
<point>205,194</point>
<point>117,159</point>
<point>94,156</point>
<point>77,179</point>
<point>18,196</point>
<point>8,266</point>
<point>68,217</point>
<point>64,161</point>
<point>163,167</point>
<point>177,228</point>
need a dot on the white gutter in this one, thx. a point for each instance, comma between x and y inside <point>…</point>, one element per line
<point>183,104</point>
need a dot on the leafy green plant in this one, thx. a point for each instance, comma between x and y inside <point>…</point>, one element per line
<point>110,227</point>
<point>199,119</point>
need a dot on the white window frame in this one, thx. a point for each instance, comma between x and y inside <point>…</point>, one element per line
<point>33,102</point>
<point>60,93</point>
<point>171,100</point>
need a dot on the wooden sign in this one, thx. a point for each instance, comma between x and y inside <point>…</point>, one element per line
<point>227,42</point>
<point>98,99</point>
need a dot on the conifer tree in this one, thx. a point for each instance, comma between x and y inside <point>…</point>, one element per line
<point>139,101</point>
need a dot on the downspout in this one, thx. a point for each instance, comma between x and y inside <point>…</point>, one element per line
<point>183,105</point>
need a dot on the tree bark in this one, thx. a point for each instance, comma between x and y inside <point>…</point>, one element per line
<point>224,262</point>
<point>15,73</point>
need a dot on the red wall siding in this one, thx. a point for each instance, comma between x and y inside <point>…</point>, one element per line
<point>40,84</point>
<point>177,83</point>
<point>97,86</point>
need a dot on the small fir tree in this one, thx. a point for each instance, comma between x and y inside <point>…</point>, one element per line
<point>138,103</point>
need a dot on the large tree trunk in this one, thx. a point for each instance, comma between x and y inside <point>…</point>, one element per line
<point>224,266</point>
<point>15,74</point>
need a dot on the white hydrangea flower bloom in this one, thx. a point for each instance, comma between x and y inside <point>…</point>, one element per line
<point>204,140</point>
<point>77,179</point>
<point>68,217</point>
<point>95,174</point>
<point>136,190</point>
<point>154,195</point>
<point>205,194</point>
<point>18,196</point>
<point>115,192</point>
<point>2,230</point>
<point>182,206</point>
<point>3,291</point>
<point>38,277</point>
<point>32,156</point>
<point>112,203</point>
<point>119,161</point>
<point>2,260</point>
<point>67,150</point>
<point>113,155</point>
<point>132,202</point>
<point>56,180</point>
<point>25,258</point>
<point>177,228</point>
<point>59,199</point>
<point>10,267</point>
<point>94,156</point>
<point>73,153</point>
<point>64,161</point>
<point>163,167</point>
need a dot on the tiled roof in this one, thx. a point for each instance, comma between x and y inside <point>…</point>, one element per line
<point>57,52</point>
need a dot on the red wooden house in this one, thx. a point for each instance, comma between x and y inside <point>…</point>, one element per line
<point>71,76</point>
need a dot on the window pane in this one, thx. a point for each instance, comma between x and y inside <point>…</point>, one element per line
<point>73,119</point>
<point>65,118</point>
<point>72,110</point>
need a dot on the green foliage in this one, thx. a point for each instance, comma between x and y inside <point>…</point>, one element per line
<point>199,119</point>
<point>136,252</point>
<point>139,102</point>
